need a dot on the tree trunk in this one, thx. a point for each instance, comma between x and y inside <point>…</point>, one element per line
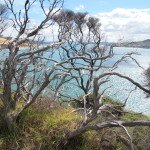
<point>10,122</point>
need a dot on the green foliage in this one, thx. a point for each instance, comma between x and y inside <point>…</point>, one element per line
<point>39,129</point>
<point>43,127</point>
<point>140,135</point>
<point>91,140</point>
<point>1,90</point>
<point>106,100</point>
<point>131,116</point>
<point>109,100</point>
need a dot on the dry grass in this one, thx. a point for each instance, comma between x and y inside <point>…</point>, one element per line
<point>4,41</point>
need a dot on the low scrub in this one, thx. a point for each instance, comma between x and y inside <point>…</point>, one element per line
<point>44,127</point>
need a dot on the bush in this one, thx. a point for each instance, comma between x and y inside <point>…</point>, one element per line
<point>44,127</point>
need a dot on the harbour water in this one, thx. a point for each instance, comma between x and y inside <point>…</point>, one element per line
<point>137,100</point>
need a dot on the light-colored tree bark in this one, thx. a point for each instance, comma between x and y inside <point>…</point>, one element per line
<point>88,61</point>
<point>26,73</point>
<point>80,58</point>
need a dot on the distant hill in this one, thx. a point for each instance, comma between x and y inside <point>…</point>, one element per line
<point>148,40</point>
<point>140,44</point>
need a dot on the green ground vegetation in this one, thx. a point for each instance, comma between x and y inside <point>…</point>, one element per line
<point>45,124</point>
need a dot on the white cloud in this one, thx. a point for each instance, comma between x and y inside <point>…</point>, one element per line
<point>129,24</point>
<point>80,7</point>
<point>50,33</point>
<point>120,23</point>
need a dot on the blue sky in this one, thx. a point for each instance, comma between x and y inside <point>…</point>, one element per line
<point>96,6</point>
<point>127,20</point>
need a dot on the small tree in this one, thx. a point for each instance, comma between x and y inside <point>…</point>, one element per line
<point>26,73</point>
<point>88,61</point>
<point>77,57</point>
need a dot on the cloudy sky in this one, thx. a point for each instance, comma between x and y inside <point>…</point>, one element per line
<point>128,20</point>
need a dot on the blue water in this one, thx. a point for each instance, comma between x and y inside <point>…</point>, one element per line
<point>137,100</point>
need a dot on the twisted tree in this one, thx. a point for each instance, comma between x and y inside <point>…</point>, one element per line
<point>25,72</point>
<point>89,62</point>
<point>78,57</point>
